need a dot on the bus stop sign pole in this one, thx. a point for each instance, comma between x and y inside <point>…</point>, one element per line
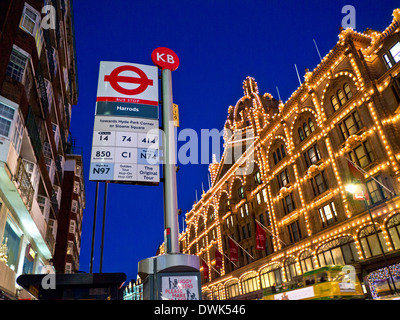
<point>168,61</point>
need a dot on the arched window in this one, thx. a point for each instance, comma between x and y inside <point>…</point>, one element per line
<point>341,97</point>
<point>311,125</point>
<point>271,275</point>
<point>306,261</point>
<point>301,134</point>
<point>192,233</point>
<point>283,151</point>
<point>306,130</point>
<point>278,152</point>
<point>200,228</point>
<point>393,227</point>
<point>347,91</point>
<point>232,289</point>
<point>290,268</point>
<point>275,158</point>
<point>338,251</point>
<point>369,242</point>
<point>249,283</point>
<point>335,103</point>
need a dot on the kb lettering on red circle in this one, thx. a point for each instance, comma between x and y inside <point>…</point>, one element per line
<point>165,58</point>
<point>115,79</point>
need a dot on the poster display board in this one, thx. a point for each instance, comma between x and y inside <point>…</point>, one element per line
<point>179,287</point>
<point>125,145</point>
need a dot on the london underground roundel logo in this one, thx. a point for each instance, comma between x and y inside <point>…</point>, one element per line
<point>165,58</point>
<point>115,78</point>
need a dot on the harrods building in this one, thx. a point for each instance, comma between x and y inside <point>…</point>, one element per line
<point>292,177</point>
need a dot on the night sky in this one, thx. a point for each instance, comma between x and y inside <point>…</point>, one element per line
<point>219,44</point>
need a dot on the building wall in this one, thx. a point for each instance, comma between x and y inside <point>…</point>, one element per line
<point>292,176</point>
<point>38,86</point>
<point>66,256</point>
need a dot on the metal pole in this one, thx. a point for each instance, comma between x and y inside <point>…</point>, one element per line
<point>170,190</point>
<point>104,222</point>
<point>380,245</point>
<point>94,226</point>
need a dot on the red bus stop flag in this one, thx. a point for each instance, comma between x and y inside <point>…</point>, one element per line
<point>261,236</point>
<point>218,259</point>
<point>205,269</point>
<point>233,251</point>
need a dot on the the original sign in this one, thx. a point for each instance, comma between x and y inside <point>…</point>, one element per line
<point>125,145</point>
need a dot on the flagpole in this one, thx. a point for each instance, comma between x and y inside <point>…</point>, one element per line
<point>366,173</point>
<point>242,248</point>
<point>265,228</point>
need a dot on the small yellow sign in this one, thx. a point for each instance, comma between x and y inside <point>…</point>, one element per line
<point>176,114</point>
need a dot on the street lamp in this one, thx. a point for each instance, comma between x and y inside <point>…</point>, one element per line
<point>352,188</point>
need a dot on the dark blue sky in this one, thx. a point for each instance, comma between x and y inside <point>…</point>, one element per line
<point>219,44</point>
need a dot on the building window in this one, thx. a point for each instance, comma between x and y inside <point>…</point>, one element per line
<point>288,203</point>
<point>264,193</point>
<point>244,234</point>
<point>350,125</point>
<point>376,192</point>
<point>18,133</point>
<point>271,276</point>
<point>328,214</point>
<point>249,283</point>
<point>312,155</point>
<point>307,128</point>
<point>29,20</point>
<point>232,290</point>
<point>44,205</point>
<point>338,251</point>
<point>306,261</point>
<point>319,184</point>
<point>290,268</point>
<point>258,198</point>
<point>16,65</point>
<point>74,206</point>
<point>335,103</point>
<point>6,118</point>
<point>68,268</point>
<point>279,154</point>
<point>301,134</point>
<point>257,177</point>
<point>70,247</point>
<point>76,187</point>
<point>294,231</point>
<point>369,242</point>
<point>347,91</point>
<point>392,56</point>
<point>241,192</point>
<point>72,226</point>
<point>362,155</point>
<point>244,210</point>
<point>340,98</point>
<point>393,227</point>
<point>283,178</point>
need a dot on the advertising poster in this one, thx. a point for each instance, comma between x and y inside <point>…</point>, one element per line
<point>179,288</point>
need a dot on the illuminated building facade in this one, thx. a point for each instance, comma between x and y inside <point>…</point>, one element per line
<point>38,86</point>
<point>293,175</point>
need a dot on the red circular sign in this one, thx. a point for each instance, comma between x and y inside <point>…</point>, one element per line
<point>165,58</point>
<point>114,78</point>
